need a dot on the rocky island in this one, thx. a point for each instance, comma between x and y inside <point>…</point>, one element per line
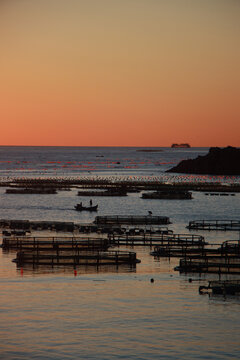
<point>218,161</point>
<point>176,146</point>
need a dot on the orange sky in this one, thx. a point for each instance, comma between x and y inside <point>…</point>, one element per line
<point>120,72</point>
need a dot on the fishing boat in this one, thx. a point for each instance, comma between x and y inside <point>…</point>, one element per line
<point>80,207</point>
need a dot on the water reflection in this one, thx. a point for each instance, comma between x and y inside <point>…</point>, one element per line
<point>41,270</point>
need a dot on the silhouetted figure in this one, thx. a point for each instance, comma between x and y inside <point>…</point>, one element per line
<point>91,202</point>
<point>150,213</point>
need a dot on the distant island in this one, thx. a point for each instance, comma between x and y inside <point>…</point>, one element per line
<point>180,146</point>
<point>218,161</point>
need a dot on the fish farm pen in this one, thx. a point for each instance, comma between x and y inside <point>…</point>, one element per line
<point>138,183</point>
<point>111,187</point>
<point>75,258</point>
<point>102,193</point>
<point>69,251</point>
<point>31,191</point>
<point>221,287</point>
<point>222,260</point>
<point>214,225</point>
<point>169,195</point>
<point>220,194</point>
<point>37,225</point>
<point>101,227</point>
<point>158,239</point>
<point>132,220</point>
<point>172,249</point>
<point>227,264</point>
<point>188,249</point>
<point>55,243</point>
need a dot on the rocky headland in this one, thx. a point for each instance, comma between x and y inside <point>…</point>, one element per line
<point>218,161</point>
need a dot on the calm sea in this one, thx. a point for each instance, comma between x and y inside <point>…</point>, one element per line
<point>113,313</point>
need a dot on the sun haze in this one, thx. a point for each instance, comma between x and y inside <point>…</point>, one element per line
<point>120,72</point>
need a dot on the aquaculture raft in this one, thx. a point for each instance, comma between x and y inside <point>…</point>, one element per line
<point>211,263</point>
<point>214,225</point>
<point>55,243</point>
<point>26,225</point>
<point>37,225</point>
<point>168,195</point>
<point>132,220</point>
<point>32,191</point>
<point>188,249</point>
<point>159,239</point>
<point>110,192</point>
<point>75,258</point>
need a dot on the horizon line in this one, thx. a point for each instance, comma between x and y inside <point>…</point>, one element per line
<point>122,146</point>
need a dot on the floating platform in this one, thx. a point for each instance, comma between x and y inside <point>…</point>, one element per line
<point>37,225</point>
<point>214,225</point>
<point>182,250</point>
<point>159,240</point>
<point>132,220</point>
<point>31,191</point>
<point>188,249</point>
<point>112,187</point>
<point>144,230</point>
<point>226,264</point>
<point>75,258</point>
<point>168,195</point>
<point>148,184</point>
<point>220,194</point>
<point>109,192</point>
<point>55,243</point>
<point>15,232</point>
<point>14,226</point>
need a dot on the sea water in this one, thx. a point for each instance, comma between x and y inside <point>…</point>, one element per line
<point>113,313</point>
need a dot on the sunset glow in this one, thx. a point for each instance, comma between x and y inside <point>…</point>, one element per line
<point>120,73</point>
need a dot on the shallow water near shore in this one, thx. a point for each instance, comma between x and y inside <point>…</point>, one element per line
<point>113,312</point>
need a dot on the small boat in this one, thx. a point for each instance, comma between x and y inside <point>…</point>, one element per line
<point>80,207</point>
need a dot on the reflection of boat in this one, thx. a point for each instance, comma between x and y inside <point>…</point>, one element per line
<point>80,207</point>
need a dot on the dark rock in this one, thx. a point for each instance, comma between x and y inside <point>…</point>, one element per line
<point>218,161</point>
<point>180,146</point>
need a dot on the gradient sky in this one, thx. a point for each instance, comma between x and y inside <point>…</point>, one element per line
<point>120,72</point>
